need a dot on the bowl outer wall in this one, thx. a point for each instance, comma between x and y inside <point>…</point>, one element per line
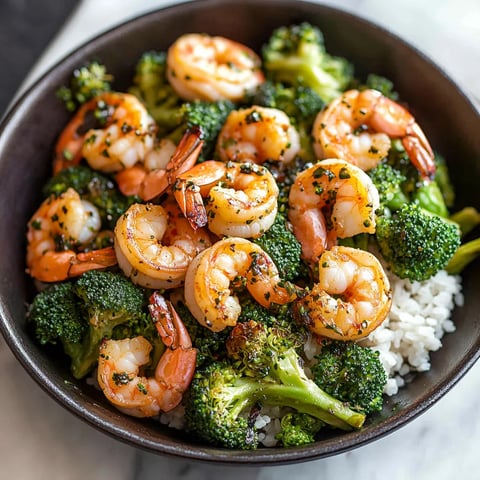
<point>27,137</point>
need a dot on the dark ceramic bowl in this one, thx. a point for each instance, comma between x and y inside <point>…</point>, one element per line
<point>28,134</point>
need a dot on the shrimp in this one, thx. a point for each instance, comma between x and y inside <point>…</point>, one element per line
<point>204,67</point>
<point>112,131</point>
<point>120,361</point>
<point>60,225</point>
<point>258,134</point>
<point>161,167</point>
<point>358,126</point>
<point>241,198</point>
<point>208,292</point>
<point>352,296</point>
<point>155,244</point>
<point>329,200</point>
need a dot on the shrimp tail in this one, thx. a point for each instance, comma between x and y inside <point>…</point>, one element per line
<point>168,323</point>
<point>94,260</point>
<point>191,204</point>
<point>420,152</point>
<point>183,159</point>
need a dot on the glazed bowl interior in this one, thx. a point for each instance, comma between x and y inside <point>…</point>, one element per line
<point>28,134</point>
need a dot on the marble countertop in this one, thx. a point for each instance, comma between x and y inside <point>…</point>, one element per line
<point>41,440</point>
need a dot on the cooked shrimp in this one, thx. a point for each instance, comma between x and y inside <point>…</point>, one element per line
<point>59,227</point>
<point>241,198</point>
<point>202,67</point>
<point>155,244</point>
<point>120,361</point>
<point>352,296</point>
<point>112,131</point>
<point>257,134</point>
<point>358,126</point>
<point>161,166</point>
<point>208,292</point>
<point>331,199</point>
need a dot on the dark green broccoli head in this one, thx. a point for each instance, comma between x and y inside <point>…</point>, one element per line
<point>296,55</point>
<point>218,405</point>
<point>55,315</point>
<point>109,298</point>
<point>298,429</point>
<point>209,117</point>
<point>86,83</point>
<point>415,243</point>
<point>98,189</point>
<point>389,181</point>
<point>210,345</point>
<point>352,374</point>
<point>283,248</point>
<point>383,85</point>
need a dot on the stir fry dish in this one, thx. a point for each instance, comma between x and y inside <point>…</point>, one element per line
<point>236,244</point>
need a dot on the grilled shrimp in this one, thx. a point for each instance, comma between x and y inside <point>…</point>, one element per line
<point>204,67</point>
<point>331,199</point>
<point>120,361</point>
<point>351,298</point>
<point>358,126</point>
<point>241,198</point>
<point>112,131</point>
<point>60,227</point>
<point>155,244</point>
<point>257,134</point>
<point>208,292</point>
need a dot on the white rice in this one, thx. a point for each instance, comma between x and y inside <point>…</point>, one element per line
<point>420,316</point>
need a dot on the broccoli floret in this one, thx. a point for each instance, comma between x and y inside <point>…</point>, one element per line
<point>55,315</point>
<point>283,248</point>
<point>218,407</point>
<point>172,114</point>
<point>300,103</point>
<point>383,85</point>
<point>265,369</point>
<point>296,55</point>
<point>298,429</point>
<point>86,83</point>
<point>209,117</point>
<point>80,314</point>
<point>98,189</point>
<point>151,86</point>
<point>388,181</point>
<point>210,345</point>
<point>415,243</point>
<point>351,373</point>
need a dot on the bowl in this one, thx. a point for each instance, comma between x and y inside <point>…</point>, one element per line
<point>28,133</point>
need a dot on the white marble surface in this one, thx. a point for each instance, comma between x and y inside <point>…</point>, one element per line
<point>40,440</point>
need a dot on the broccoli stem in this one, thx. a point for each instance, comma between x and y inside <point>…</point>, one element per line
<point>464,255</point>
<point>467,219</point>
<point>298,391</point>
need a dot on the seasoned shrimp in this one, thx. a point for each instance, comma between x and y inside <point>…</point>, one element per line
<point>208,293</point>
<point>241,198</point>
<point>120,361</point>
<point>331,199</point>
<point>358,126</point>
<point>112,131</point>
<point>155,244</point>
<point>202,67</point>
<point>161,166</point>
<point>56,230</point>
<point>258,134</point>
<point>352,296</point>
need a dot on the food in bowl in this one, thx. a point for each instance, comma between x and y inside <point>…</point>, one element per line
<point>259,250</point>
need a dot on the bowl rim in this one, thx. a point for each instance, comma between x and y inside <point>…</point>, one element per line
<point>264,456</point>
